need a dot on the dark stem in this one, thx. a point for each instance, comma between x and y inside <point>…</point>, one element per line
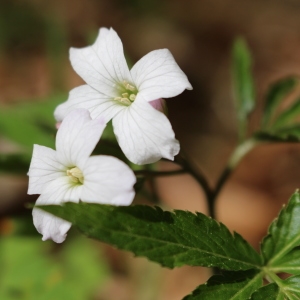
<point>197,174</point>
<point>235,158</point>
<point>212,193</point>
<point>151,174</point>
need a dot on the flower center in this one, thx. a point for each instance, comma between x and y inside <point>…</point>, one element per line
<point>127,93</point>
<point>75,175</point>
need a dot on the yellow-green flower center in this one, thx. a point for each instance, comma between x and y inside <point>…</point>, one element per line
<point>127,93</point>
<point>75,175</point>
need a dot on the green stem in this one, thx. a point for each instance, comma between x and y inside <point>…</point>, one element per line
<point>272,277</point>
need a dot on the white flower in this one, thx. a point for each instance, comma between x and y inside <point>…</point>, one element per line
<point>70,174</point>
<point>112,91</point>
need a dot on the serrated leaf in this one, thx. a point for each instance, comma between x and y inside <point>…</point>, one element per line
<point>291,287</point>
<point>268,292</point>
<point>229,286</point>
<point>277,93</point>
<point>284,233</point>
<point>172,239</point>
<point>288,289</point>
<point>290,263</point>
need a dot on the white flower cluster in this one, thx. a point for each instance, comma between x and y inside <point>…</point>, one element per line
<point>133,100</point>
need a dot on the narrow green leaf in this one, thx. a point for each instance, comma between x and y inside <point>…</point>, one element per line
<point>288,116</point>
<point>290,263</point>
<point>288,289</point>
<point>288,135</point>
<point>277,93</point>
<point>229,286</point>
<point>172,239</point>
<point>14,163</point>
<point>283,234</point>
<point>22,130</point>
<point>243,80</point>
<point>30,123</point>
<point>290,132</point>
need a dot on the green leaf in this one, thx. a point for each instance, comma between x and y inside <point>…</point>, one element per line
<point>14,163</point>
<point>291,287</point>
<point>290,263</point>
<point>289,135</point>
<point>243,82</point>
<point>229,286</point>
<point>172,239</point>
<point>277,93</point>
<point>268,292</point>
<point>31,269</point>
<point>283,234</point>
<point>288,116</point>
<point>288,289</point>
<point>30,123</point>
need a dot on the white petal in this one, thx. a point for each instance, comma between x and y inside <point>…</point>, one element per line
<point>49,226</point>
<point>44,168</point>
<point>77,137</point>
<point>86,97</point>
<point>157,75</point>
<point>145,134</point>
<point>102,65</point>
<point>108,180</point>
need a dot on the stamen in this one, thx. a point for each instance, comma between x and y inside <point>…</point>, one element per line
<point>128,86</point>
<point>132,97</point>
<point>125,101</point>
<point>75,175</point>
<point>127,95</point>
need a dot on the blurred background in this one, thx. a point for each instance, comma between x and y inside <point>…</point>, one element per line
<point>35,75</point>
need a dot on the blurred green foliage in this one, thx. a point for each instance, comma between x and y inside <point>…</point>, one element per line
<point>32,269</point>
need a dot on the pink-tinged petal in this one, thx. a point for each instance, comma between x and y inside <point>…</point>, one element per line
<point>144,134</point>
<point>77,137</point>
<point>159,104</point>
<point>58,191</point>
<point>107,180</point>
<point>86,97</point>
<point>157,75</point>
<point>44,168</point>
<point>102,65</point>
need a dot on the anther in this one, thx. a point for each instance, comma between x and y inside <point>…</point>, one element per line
<point>125,101</point>
<point>75,175</point>
<point>132,97</point>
